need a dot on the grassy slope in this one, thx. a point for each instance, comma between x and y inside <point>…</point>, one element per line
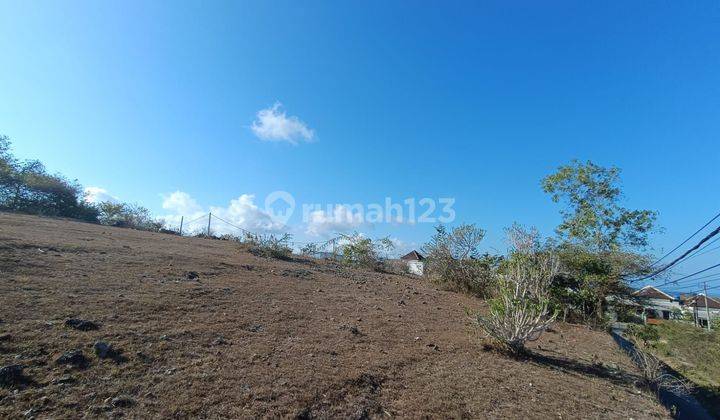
<point>695,353</point>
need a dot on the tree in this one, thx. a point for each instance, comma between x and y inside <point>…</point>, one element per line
<point>27,187</point>
<point>593,216</point>
<point>600,241</point>
<point>127,215</point>
<point>521,309</point>
<point>361,251</point>
<point>454,259</point>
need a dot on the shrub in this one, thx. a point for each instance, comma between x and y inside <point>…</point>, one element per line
<point>360,251</point>
<point>311,249</point>
<point>127,215</point>
<point>522,310</point>
<point>269,246</point>
<point>229,237</point>
<point>646,333</point>
<point>455,262</point>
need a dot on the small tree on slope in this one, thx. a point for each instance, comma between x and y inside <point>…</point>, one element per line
<point>521,310</point>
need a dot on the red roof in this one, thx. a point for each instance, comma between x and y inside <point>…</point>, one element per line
<point>412,255</point>
<point>700,299</point>
<point>652,293</point>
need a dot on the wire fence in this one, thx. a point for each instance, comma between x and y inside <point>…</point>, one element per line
<point>206,226</point>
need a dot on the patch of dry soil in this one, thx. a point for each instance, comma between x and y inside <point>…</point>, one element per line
<point>201,328</point>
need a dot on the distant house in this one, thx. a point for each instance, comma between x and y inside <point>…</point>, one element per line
<point>699,306</point>
<point>656,304</point>
<point>414,262</point>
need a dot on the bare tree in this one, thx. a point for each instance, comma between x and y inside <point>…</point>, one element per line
<point>521,310</point>
<point>454,259</point>
<point>523,239</point>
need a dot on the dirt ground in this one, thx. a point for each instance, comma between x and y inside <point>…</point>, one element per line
<point>253,337</point>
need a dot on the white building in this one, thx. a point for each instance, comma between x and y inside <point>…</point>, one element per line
<point>656,304</point>
<point>699,307</point>
<point>414,262</point>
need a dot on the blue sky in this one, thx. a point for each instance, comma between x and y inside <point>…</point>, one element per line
<point>471,100</point>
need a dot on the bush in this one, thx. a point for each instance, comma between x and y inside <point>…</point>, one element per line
<point>455,262</point>
<point>359,251</point>
<point>127,215</point>
<point>26,187</point>
<point>311,249</point>
<point>646,333</point>
<point>522,309</point>
<point>270,246</point>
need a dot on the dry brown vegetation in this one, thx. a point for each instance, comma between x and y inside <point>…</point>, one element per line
<point>204,329</point>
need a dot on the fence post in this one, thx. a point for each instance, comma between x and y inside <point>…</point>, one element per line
<point>209,218</point>
<point>707,307</point>
<point>182,218</point>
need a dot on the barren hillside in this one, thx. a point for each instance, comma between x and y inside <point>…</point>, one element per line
<point>203,329</point>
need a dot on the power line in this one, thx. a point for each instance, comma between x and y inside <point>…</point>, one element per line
<point>195,220</point>
<point>700,290</point>
<point>676,260</point>
<point>319,244</point>
<point>688,279</point>
<point>699,253</point>
<point>689,275</point>
<point>686,240</point>
<point>693,282</point>
<point>236,227</point>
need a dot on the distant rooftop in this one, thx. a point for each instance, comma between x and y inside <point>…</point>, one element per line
<point>412,255</point>
<point>652,292</point>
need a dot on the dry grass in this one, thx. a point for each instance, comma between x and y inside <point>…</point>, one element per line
<point>204,329</point>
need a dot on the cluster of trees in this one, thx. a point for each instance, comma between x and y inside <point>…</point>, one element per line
<point>27,187</point>
<point>599,244</point>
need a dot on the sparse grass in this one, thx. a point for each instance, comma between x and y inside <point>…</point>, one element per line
<point>695,353</point>
<point>270,246</point>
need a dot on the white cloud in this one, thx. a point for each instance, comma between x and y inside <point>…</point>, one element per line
<point>181,203</point>
<point>241,212</point>
<point>95,195</point>
<point>340,219</point>
<point>272,124</point>
<point>402,247</point>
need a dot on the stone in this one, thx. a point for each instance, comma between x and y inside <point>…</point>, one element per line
<point>122,401</point>
<point>74,358</point>
<point>219,341</point>
<point>81,324</point>
<point>103,350</point>
<point>63,380</point>
<point>11,375</point>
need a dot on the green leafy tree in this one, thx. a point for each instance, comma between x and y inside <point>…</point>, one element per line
<point>27,187</point>
<point>600,241</point>
<point>127,215</point>
<point>593,216</point>
<point>361,251</point>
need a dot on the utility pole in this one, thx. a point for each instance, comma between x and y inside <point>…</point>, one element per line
<point>182,218</point>
<point>707,306</point>
<point>209,218</point>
